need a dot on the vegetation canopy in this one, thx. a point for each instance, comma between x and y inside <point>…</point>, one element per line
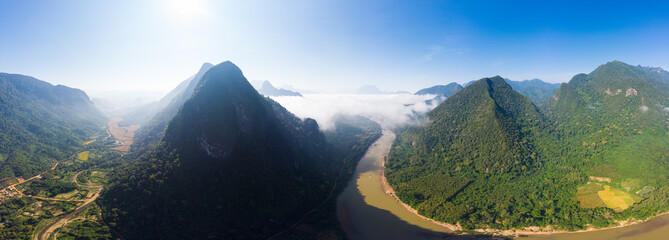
<point>595,154</point>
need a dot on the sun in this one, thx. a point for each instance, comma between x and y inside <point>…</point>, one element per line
<point>187,8</point>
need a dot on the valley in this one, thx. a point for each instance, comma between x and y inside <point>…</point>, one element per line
<point>48,205</point>
<point>328,120</point>
<point>51,198</point>
<point>123,134</point>
<point>367,209</point>
<point>400,182</point>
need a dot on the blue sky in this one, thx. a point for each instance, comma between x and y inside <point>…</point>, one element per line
<point>325,45</point>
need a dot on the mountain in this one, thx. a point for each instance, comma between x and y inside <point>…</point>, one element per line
<point>480,135</point>
<point>489,158</point>
<point>185,89</point>
<point>155,118</point>
<point>442,90</point>
<point>657,72</point>
<point>233,164</point>
<point>268,90</point>
<point>41,124</point>
<point>538,91</point>
<point>615,119</point>
<point>138,114</point>
<point>116,102</point>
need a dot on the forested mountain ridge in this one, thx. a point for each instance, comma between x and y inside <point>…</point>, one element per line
<point>492,120</point>
<point>658,72</point>
<point>606,131</point>
<point>481,141</point>
<point>440,90</point>
<point>232,164</point>
<point>615,119</point>
<point>41,123</point>
<point>537,90</point>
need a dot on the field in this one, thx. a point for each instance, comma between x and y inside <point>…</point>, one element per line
<point>645,190</point>
<point>89,142</point>
<point>593,195</point>
<point>83,156</point>
<point>123,134</point>
<point>97,177</point>
<point>588,197</point>
<point>615,199</point>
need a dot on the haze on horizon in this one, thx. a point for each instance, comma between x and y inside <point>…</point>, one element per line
<point>332,46</point>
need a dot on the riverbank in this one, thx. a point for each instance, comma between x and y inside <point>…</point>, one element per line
<point>529,231</point>
<point>366,212</point>
<point>390,192</point>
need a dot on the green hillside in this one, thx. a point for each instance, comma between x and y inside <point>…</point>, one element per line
<point>488,158</point>
<point>536,90</point>
<point>614,125</point>
<point>41,123</point>
<point>482,141</point>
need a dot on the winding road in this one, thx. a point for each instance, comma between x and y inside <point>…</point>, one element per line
<point>51,228</point>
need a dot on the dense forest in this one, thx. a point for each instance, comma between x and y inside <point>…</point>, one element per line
<point>234,164</point>
<point>490,158</point>
<point>536,90</point>
<point>41,124</point>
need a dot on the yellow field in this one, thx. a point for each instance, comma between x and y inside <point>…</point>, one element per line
<point>83,156</point>
<point>615,199</point>
<point>89,142</point>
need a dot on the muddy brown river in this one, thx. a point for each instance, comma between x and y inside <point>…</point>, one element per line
<point>367,212</point>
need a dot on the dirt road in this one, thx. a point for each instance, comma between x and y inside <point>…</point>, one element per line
<point>49,229</point>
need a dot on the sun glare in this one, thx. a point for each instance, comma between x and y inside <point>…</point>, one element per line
<point>187,8</point>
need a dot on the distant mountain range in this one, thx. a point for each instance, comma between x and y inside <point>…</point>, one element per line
<point>268,90</point>
<point>537,90</point>
<point>490,158</point>
<point>41,124</point>
<point>442,90</point>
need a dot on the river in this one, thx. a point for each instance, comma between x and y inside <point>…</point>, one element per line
<point>367,212</point>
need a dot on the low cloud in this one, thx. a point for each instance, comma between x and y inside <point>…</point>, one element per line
<point>644,108</point>
<point>390,110</point>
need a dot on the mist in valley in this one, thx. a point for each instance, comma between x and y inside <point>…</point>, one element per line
<point>389,110</point>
